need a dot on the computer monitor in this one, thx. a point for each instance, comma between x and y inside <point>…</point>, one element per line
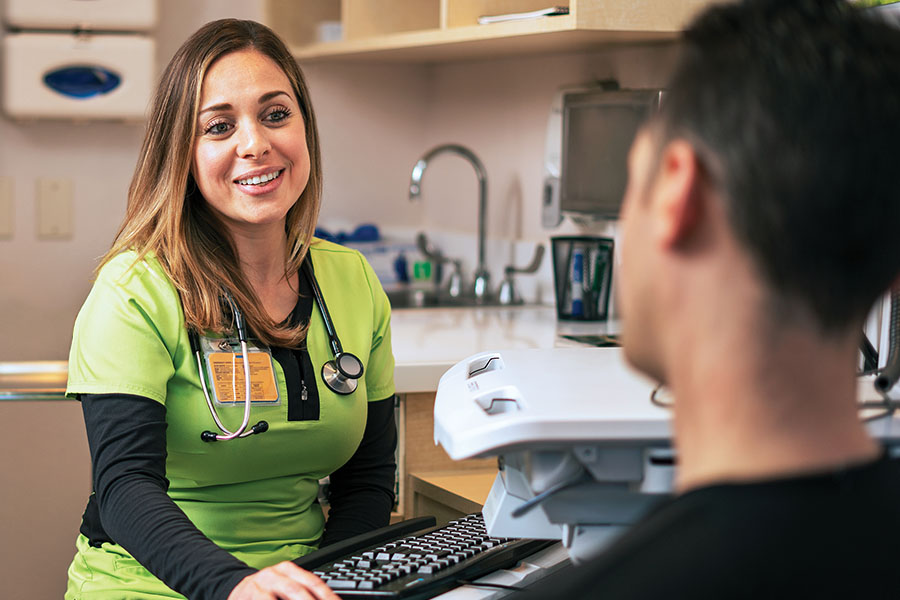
<point>598,128</point>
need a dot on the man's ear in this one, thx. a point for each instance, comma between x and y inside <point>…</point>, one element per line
<point>677,198</point>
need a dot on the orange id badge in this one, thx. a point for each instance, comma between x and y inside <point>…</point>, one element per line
<point>225,366</point>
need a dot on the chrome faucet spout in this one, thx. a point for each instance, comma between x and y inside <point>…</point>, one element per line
<point>482,277</point>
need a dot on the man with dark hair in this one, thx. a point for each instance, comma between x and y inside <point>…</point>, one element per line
<point>759,228</point>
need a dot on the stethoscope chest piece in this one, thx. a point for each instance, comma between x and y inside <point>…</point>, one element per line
<point>342,374</point>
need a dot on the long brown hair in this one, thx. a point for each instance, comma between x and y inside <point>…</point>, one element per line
<point>167,215</point>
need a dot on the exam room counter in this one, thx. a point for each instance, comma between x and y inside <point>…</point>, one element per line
<point>46,467</point>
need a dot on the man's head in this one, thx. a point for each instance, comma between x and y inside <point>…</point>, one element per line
<point>787,112</point>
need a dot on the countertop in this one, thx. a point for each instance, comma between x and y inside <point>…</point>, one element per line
<point>426,342</point>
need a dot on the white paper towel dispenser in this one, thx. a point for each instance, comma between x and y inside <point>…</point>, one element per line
<point>93,15</point>
<point>77,76</point>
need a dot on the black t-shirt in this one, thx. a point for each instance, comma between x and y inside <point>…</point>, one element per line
<point>830,535</point>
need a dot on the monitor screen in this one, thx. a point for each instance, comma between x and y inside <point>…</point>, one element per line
<point>598,128</point>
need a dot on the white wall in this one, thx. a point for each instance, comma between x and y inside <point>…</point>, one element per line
<point>375,121</point>
<point>43,283</point>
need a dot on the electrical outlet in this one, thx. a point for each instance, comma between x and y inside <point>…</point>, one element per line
<point>6,208</point>
<point>54,209</point>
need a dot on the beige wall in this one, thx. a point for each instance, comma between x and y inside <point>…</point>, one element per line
<point>42,283</point>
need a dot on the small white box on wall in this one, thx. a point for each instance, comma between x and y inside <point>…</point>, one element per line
<point>77,76</point>
<point>94,15</point>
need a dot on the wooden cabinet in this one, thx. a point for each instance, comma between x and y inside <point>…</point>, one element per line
<point>46,471</point>
<point>445,30</point>
<point>449,495</point>
<point>418,454</point>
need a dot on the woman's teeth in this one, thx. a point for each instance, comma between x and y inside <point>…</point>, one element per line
<point>259,180</point>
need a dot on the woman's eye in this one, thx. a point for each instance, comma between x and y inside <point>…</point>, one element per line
<point>278,114</point>
<point>217,128</point>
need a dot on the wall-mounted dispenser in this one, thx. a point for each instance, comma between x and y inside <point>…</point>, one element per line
<point>93,15</point>
<point>78,59</point>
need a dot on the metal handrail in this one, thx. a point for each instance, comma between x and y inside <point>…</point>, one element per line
<point>33,380</point>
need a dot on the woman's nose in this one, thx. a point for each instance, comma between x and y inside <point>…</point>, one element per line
<point>253,141</point>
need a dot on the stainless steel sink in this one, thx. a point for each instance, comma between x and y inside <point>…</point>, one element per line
<point>413,298</point>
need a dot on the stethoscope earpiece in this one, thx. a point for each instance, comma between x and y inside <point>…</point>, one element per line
<point>211,436</point>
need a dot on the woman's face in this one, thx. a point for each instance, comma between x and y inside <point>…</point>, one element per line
<point>250,158</point>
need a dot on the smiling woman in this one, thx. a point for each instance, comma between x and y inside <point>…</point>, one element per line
<point>214,269</point>
<point>250,157</point>
<point>241,88</point>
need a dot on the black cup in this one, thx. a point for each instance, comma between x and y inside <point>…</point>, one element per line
<point>582,275</point>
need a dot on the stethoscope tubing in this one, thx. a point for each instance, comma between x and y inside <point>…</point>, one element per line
<point>336,348</point>
<point>340,382</point>
<point>242,430</point>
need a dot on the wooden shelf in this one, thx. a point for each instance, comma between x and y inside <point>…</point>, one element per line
<point>553,35</point>
<point>448,30</point>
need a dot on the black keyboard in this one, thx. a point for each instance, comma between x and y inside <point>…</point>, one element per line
<point>415,559</point>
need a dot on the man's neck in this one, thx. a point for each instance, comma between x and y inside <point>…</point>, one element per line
<point>757,407</point>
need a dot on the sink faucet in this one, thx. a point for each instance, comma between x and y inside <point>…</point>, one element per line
<point>482,277</point>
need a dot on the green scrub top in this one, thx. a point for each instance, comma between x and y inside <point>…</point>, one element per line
<point>254,497</point>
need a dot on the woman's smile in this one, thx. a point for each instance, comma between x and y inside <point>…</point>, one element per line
<point>258,185</point>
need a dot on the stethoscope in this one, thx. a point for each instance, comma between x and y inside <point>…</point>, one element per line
<point>340,374</point>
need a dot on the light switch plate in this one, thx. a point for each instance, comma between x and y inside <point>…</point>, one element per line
<point>6,208</point>
<point>54,209</point>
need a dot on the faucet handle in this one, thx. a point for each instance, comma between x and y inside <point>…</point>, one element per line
<point>532,266</point>
<point>428,250</point>
<point>432,253</point>
<point>507,293</point>
<point>455,281</point>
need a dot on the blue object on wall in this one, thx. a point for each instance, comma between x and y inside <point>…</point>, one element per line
<point>401,268</point>
<point>82,81</point>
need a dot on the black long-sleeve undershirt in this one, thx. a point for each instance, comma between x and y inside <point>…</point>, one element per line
<point>127,439</point>
<point>361,492</point>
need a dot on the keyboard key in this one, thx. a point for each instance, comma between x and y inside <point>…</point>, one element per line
<point>342,584</point>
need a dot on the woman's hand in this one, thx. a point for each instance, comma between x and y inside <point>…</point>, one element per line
<point>284,581</point>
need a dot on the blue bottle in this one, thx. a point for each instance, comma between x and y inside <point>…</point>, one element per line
<point>577,279</point>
